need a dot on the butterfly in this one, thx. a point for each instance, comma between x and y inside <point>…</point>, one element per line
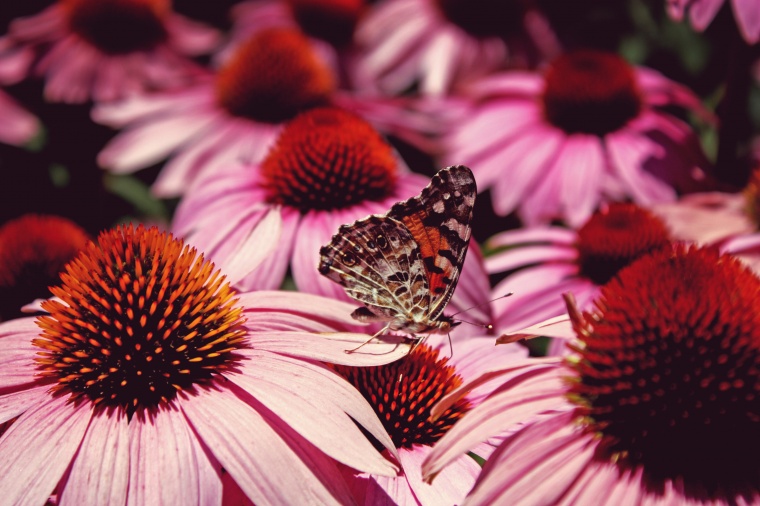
<point>405,264</point>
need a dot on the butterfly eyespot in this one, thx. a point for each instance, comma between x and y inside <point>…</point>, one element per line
<point>371,244</point>
<point>382,243</point>
<point>349,259</point>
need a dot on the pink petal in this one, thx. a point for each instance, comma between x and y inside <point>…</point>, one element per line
<point>559,327</point>
<point>291,387</point>
<point>540,234</point>
<point>167,463</point>
<point>702,12</point>
<point>514,83</point>
<point>529,255</point>
<point>100,472</point>
<point>38,448</point>
<point>451,485</point>
<point>580,186</point>
<point>525,160</point>
<point>333,347</point>
<point>536,466</point>
<point>260,243</point>
<point>191,37</point>
<point>18,125</point>
<point>601,479</point>
<point>331,314</point>
<point>152,106</point>
<point>521,398</point>
<point>17,366</point>
<point>267,459</point>
<point>151,142</point>
<point>15,403</point>
<point>747,13</point>
<point>472,291</point>
<point>439,63</point>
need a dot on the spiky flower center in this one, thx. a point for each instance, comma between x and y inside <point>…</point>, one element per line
<point>118,26</point>
<point>614,237</point>
<point>403,392</point>
<point>141,317</point>
<point>668,373</point>
<point>33,250</point>
<point>590,92</point>
<point>330,20</point>
<point>273,76</point>
<point>328,158</point>
<point>484,18</point>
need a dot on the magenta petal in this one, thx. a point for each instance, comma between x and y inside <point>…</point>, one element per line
<point>38,448</point>
<point>451,485</point>
<point>18,125</point>
<point>747,13</point>
<point>270,462</point>
<point>260,243</point>
<point>702,12</point>
<point>536,466</point>
<point>291,387</point>
<point>529,255</point>
<point>167,464</point>
<point>100,472</point>
<point>540,234</point>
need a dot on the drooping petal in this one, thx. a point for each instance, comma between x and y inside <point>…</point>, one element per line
<point>17,352</point>
<point>167,463</point>
<point>292,387</point>
<point>747,13</point>
<point>100,472</point>
<point>452,484</point>
<point>267,459</point>
<point>15,403</point>
<point>38,448</point>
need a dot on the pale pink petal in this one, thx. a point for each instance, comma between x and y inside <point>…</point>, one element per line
<point>167,463</point>
<point>584,163</point>
<point>507,84</point>
<point>471,295</point>
<point>291,387</point>
<point>380,490</point>
<point>38,448</point>
<point>272,270</point>
<point>604,480</point>
<point>529,255</point>
<point>452,484</point>
<point>335,315</point>
<point>151,142</point>
<point>12,404</point>
<point>334,347</point>
<point>17,366</point>
<point>540,234</point>
<point>438,63</point>
<point>148,107</point>
<point>18,125</point>
<point>260,243</point>
<point>551,453</point>
<point>538,303</point>
<point>523,397</point>
<point>747,13</point>
<point>525,160</point>
<point>100,472</point>
<point>267,459</point>
<point>559,327</point>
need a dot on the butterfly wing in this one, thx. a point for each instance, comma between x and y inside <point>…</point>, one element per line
<point>378,263</point>
<point>439,221</point>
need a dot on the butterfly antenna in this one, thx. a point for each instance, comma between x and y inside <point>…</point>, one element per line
<point>384,329</point>
<point>481,304</point>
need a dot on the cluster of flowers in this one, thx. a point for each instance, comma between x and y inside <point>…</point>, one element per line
<point>167,364</point>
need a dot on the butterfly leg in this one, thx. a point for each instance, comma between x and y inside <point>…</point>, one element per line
<point>376,334</point>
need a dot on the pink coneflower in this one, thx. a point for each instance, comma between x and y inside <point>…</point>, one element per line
<point>554,260</point>
<point>661,390</point>
<point>702,12</point>
<point>587,130</point>
<point>102,51</point>
<point>150,378</point>
<point>232,116</point>
<point>19,126</point>
<point>33,251</point>
<point>403,393</point>
<point>328,168</point>
<point>437,44</point>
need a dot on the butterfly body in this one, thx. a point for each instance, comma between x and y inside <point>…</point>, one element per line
<point>405,264</point>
